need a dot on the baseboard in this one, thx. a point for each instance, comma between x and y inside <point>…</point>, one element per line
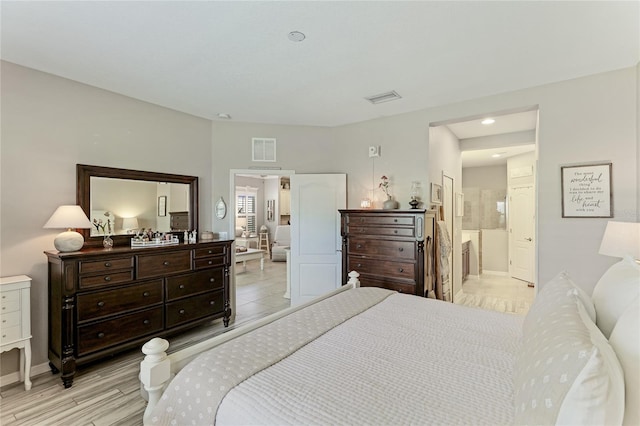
<point>15,376</point>
<point>500,273</point>
<point>473,277</point>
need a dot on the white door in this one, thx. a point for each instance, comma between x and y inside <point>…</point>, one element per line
<point>316,244</point>
<point>522,232</point>
<point>447,206</point>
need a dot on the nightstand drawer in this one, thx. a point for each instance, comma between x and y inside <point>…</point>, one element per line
<point>10,301</point>
<point>158,265</point>
<point>93,306</point>
<point>10,319</point>
<point>10,334</point>
<point>97,266</point>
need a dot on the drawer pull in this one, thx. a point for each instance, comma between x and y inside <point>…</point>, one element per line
<point>145,294</point>
<point>395,220</point>
<point>210,262</point>
<point>4,321</point>
<point>359,265</point>
<point>359,246</point>
<point>401,249</point>
<point>165,263</point>
<point>212,280</point>
<point>212,302</point>
<point>181,311</point>
<point>395,231</point>
<point>210,251</point>
<point>107,264</point>
<point>101,303</point>
<point>400,270</point>
<point>4,336</point>
<point>146,322</point>
<point>107,278</point>
<point>181,286</point>
<point>100,335</point>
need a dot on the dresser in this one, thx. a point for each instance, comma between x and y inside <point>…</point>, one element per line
<point>15,318</point>
<point>102,301</point>
<point>389,248</point>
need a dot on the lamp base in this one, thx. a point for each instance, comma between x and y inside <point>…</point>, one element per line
<point>68,241</point>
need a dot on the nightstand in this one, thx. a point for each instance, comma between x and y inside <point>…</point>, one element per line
<point>15,321</point>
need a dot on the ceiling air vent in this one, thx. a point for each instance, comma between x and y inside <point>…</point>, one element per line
<point>383,97</point>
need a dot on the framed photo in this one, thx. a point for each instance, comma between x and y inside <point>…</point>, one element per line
<point>586,190</point>
<point>162,205</point>
<point>436,193</point>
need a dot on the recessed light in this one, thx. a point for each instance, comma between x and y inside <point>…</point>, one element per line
<point>296,36</point>
<point>224,115</point>
<point>488,121</point>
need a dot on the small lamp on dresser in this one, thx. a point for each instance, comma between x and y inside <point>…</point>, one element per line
<point>621,239</point>
<point>69,217</point>
<point>130,224</point>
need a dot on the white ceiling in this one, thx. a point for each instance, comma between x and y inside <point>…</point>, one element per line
<point>210,57</point>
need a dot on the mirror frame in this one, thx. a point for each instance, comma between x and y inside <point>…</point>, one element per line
<point>84,173</point>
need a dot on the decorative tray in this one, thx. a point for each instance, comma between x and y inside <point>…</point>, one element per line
<point>160,243</point>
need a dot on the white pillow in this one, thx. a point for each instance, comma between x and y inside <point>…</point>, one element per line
<point>566,372</point>
<point>625,340</point>
<point>615,290</point>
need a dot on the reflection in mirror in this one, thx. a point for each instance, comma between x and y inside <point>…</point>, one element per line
<point>124,206</point>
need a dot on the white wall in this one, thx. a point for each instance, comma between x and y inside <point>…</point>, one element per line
<point>49,124</point>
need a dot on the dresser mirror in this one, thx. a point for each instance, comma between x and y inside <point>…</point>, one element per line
<point>121,202</point>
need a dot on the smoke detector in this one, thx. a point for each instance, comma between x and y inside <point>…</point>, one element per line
<point>296,36</point>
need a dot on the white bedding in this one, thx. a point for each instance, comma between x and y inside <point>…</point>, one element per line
<point>404,360</point>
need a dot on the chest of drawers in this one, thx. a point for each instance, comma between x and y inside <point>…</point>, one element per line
<point>389,248</point>
<point>15,321</point>
<point>105,301</point>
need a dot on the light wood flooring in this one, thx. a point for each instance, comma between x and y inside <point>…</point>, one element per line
<point>497,293</point>
<point>107,392</point>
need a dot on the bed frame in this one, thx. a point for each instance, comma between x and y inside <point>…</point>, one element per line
<point>157,368</point>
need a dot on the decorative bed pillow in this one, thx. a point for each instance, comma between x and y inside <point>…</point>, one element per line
<point>625,340</point>
<point>615,290</point>
<point>566,372</point>
<point>558,288</point>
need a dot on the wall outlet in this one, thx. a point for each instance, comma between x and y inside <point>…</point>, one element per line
<point>374,151</point>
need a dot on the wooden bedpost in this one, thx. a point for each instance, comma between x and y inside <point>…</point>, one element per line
<point>155,372</point>
<point>353,279</point>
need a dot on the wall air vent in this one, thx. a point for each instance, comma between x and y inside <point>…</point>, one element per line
<point>383,97</point>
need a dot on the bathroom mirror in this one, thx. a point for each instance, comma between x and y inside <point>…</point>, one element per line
<point>119,202</point>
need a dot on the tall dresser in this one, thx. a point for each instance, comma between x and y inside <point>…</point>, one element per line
<point>389,248</point>
<point>102,301</point>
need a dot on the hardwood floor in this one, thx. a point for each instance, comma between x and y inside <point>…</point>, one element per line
<point>107,392</point>
<point>497,293</point>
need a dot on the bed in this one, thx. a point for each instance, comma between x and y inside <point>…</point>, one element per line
<point>374,356</point>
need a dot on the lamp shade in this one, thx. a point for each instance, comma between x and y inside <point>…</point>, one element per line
<point>130,223</point>
<point>621,239</point>
<point>68,217</point>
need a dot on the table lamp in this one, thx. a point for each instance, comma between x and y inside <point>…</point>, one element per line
<point>621,239</point>
<point>69,217</point>
<point>130,224</point>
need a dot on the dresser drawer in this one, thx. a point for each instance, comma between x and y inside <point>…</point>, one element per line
<point>97,305</point>
<point>198,282</point>
<point>10,301</point>
<point>209,262</point>
<point>366,281</point>
<point>158,265</point>
<point>186,310</point>
<point>382,231</point>
<point>101,335</point>
<point>10,334</point>
<point>105,266</point>
<point>381,220</point>
<point>10,319</point>
<point>209,251</point>
<point>383,248</point>
<point>106,279</point>
<point>395,270</point>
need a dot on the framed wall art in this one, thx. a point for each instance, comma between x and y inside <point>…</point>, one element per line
<point>162,205</point>
<point>586,190</point>
<point>436,193</point>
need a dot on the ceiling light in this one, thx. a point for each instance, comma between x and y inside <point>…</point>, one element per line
<point>498,154</point>
<point>296,36</point>
<point>224,115</point>
<point>488,121</point>
<point>383,97</point>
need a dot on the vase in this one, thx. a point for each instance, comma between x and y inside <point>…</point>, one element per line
<point>390,204</point>
<point>107,242</point>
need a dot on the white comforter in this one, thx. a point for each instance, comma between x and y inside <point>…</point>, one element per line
<point>405,360</point>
